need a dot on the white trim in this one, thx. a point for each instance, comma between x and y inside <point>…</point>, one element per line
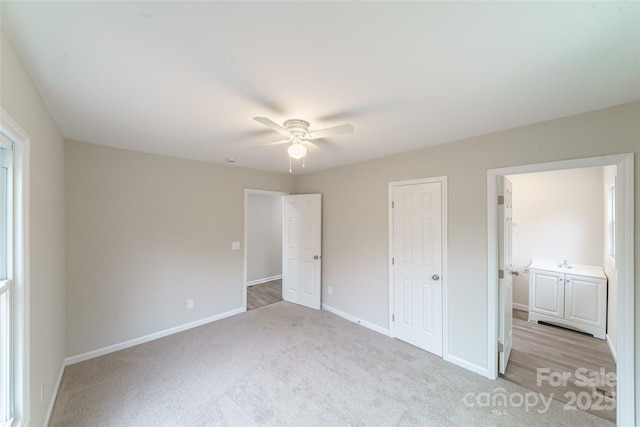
<point>21,271</point>
<point>356,320</point>
<point>445,289</point>
<point>480,370</point>
<point>54,395</point>
<point>264,280</point>
<point>627,379</point>
<point>521,307</point>
<point>141,340</point>
<point>248,191</point>
<point>612,350</point>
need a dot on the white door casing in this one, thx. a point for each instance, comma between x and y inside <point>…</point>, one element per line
<point>505,207</point>
<point>417,266</point>
<point>302,262</point>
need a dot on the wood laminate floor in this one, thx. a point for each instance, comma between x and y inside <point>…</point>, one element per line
<point>264,294</point>
<point>542,357</point>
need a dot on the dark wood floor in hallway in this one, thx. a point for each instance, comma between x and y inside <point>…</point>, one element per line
<point>264,294</point>
<point>543,355</point>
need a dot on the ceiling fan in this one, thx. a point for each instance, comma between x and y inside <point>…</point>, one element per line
<point>298,134</point>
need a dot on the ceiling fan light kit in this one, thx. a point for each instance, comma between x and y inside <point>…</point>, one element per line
<point>297,132</point>
<point>297,150</point>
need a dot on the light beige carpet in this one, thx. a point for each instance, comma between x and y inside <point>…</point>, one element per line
<point>288,365</point>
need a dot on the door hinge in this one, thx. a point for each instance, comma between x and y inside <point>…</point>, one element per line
<point>393,261</point>
<point>500,274</point>
<point>393,317</point>
<point>500,347</point>
<point>393,204</point>
<point>500,200</point>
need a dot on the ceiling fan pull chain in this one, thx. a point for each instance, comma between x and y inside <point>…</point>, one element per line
<point>289,164</point>
<point>303,160</point>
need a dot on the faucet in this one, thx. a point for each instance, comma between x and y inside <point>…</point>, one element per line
<point>564,264</point>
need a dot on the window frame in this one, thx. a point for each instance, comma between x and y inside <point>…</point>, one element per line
<point>20,268</point>
<point>7,303</point>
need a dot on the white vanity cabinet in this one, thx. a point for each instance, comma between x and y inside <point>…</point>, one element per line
<point>573,296</point>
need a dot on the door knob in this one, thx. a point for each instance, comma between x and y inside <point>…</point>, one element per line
<point>316,257</point>
<point>515,273</point>
<point>435,277</point>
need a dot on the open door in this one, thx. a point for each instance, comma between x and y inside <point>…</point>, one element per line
<point>302,262</point>
<point>505,334</point>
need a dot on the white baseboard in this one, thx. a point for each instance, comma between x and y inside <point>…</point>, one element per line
<point>612,350</point>
<point>121,346</point>
<point>356,320</point>
<point>54,395</point>
<point>480,370</point>
<point>264,280</point>
<point>521,307</point>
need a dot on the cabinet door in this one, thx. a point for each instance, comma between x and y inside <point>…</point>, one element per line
<point>585,300</point>
<point>546,293</point>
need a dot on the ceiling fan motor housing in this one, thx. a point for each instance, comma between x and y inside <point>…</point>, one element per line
<point>297,128</point>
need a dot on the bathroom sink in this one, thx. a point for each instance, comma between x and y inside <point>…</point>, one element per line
<point>569,268</point>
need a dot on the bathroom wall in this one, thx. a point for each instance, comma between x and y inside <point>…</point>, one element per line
<point>556,215</point>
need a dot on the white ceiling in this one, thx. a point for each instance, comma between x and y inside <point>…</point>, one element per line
<point>185,79</point>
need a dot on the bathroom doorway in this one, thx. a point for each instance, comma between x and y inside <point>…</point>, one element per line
<point>559,219</point>
<point>623,348</point>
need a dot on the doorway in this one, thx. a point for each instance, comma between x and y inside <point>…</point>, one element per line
<point>560,311</point>
<point>263,218</point>
<point>624,244</point>
<point>283,243</point>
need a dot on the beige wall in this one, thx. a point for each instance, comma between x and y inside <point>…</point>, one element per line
<point>144,234</point>
<point>355,214</point>
<point>556,215</point>
<point>20,99</point>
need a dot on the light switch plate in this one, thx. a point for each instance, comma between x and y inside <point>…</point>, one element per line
<point>235,246</point>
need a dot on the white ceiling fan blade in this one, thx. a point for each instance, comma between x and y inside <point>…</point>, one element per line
<point>337,130</point>
<point>312,146</point>
<point>271,144</point>
<point>270,123</point>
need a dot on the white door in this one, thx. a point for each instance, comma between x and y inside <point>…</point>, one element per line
<point>302,263</point>
<point>504,264</point>
<point>417,265</point>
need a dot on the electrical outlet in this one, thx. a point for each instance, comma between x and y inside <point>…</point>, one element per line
<point>189,303</point>
<point>330,290</point>
<point>42,392</point>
